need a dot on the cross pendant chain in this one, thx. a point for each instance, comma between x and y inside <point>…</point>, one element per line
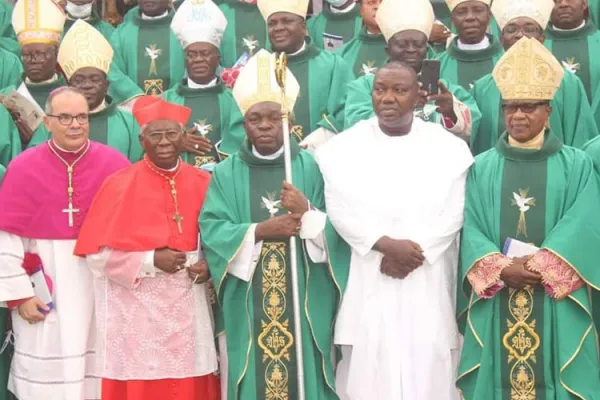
<point>177,217</point>
<point>70,211</point>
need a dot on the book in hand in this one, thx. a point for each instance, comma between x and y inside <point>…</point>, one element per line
<point>27,112</point>
<point>514,248</point>
<point>42,291</point>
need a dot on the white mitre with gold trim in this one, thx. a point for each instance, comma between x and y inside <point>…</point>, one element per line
<point>528,71</point>
<point>453,3</point>
<point>538,10</point>
<point>199,21</point>
<point>38,21</point>
<point>395,16</point>
<point>83,46</point>
<point>257,83</point>
<point>270,7</point>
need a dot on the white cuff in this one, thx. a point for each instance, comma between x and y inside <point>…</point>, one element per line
<point>242,266</point>
<point>312,227</point>
<point>148,269</point>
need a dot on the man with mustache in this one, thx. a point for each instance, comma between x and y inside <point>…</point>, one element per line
<point>338,23</point>
<point>571,117</point>
<point>473,52</point>
<point>212,130</point>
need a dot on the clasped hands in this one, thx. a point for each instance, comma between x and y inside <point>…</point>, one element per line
<point>517,275</point>
<point>400,257</point>
<point>288,225</point>
<point>172,261</point>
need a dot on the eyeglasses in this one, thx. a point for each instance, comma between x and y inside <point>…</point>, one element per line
<point>527,108</point>
<point>526,30</point>
<point>67,119</point>
<point>157,136</point>
<point>37,55</point>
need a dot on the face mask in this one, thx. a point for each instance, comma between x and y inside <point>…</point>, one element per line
<point>337,3</point>
<point>79,11</point>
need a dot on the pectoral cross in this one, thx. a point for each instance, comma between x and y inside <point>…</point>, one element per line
<point>70,211</point>
<point>178,218</point>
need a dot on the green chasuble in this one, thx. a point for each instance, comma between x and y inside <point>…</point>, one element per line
<point>258,315</point>
<point>105,28</point>
<point>6,355</point>
<point>571,120</point>
<point>326,27</point>
<point>359,103</point>
<point>8,38</point>
<point>579,52</point>
<point>148,52</point>
<point>464,67</point>
<point>129,15</point>
<point>215,115</point>
<point>523,344</point>
<point>11,69</point>
<point>594,11</point>
<point>365,53</point>
<point>10,141</point>
<point>110,126</point>
<point>246,31</point>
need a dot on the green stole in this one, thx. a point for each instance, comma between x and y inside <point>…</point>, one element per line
<point>578,51</point>
<point>464,67</point>
<point>155,36</point>
<point>246,28</point>
<point>105,28</point>
<point>522,344</point>
<point>345,25</point>
<point>571,120</point>
<point>365,53</point>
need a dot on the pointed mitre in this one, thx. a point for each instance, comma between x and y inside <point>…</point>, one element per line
<point>270,7</point>
<point>38,21</point>
<point>453,3</point>
<point>83,46</point>
<point>199,21</point>
<point>528,71</point>
<point>257,83</point>
<point>391,19</point>
<point>538,10</point>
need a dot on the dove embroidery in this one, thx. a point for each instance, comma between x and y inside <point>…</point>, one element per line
<point>270,204</point>
<point>524,204</point>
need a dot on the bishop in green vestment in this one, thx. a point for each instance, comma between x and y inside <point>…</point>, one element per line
<point>246,230</point>
<point>529,251</point>
<point>215,128</point>
<point>571,119</point>
<point>8,38</point>
<point>102,26</point>
<point>245,33</point>
<point>338,23</point>
<point>575,41</point>
<point>407,35</point>
<point>147,51</point>
<point>366,52</point>
<point>473,52</point>
<point>130,15</point>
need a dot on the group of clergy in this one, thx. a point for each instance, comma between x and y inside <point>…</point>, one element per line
<point>147,221</point>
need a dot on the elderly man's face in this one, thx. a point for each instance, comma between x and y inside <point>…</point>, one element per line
<point>409,47</point>
<point>569,14</point>
<point>39,61</point>
<point>93,83</point>
<point>201,62</point>
<point>286,32</point>
<point>263,127</point>
<point>153,8</point>
<point>525,119</point>
<point>471,20</point>
<point>516,28</point>
<point>68,123</point>
<point>163,141</point>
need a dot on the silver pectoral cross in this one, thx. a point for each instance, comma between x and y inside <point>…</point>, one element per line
<point>70,211</point>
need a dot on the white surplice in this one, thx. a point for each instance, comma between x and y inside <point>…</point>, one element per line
<point>55,358</point>
<point>403,335</point>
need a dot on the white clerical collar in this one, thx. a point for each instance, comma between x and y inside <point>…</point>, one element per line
<point>100,107</point>
<point>270,156</point>
<point>343,10</point>
<point>70,151</point>
<point>194,85</point>
<point>484,44</point>
<point>299,51</point>
<point>51,80</point>
<point>144,16</point>
<point>168,170</point>
<point>569,30</point>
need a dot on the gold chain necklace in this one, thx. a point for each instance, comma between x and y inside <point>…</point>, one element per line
<point>70,210</point>
<point>178,218</point>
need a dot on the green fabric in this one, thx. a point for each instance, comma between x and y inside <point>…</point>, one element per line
<point>580,50</point>
<point>464,67</point>
<point>130,15</point>
<point>110,126</point>
<point>364,53</point>
<point>594,9</point>
<point>359,103</point>
<point>563,180</point>
<point>11,69</point>
<point>6,356</point>
<point>227,214</point>
<point>346,25</point>
<point>131,42</point>
<point>571,120</point>
<point>105,28</point>
<point>244,21</point>
<point>8,38</point>
<point>2,172</point>
<point>216,107</point>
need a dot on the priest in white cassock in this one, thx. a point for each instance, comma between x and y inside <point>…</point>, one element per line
<point>44,197</point>
<point>401,216</point>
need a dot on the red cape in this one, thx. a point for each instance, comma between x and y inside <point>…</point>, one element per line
<point>134,209</point>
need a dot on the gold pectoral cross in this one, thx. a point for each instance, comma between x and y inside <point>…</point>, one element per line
<point>70,210</point>
<point>177,217</point>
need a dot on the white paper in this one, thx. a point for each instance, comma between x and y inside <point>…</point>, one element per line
<point>514,248</point>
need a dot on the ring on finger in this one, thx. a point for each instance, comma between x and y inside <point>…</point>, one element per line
<point>196,146</point>
<point>179,267</point>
